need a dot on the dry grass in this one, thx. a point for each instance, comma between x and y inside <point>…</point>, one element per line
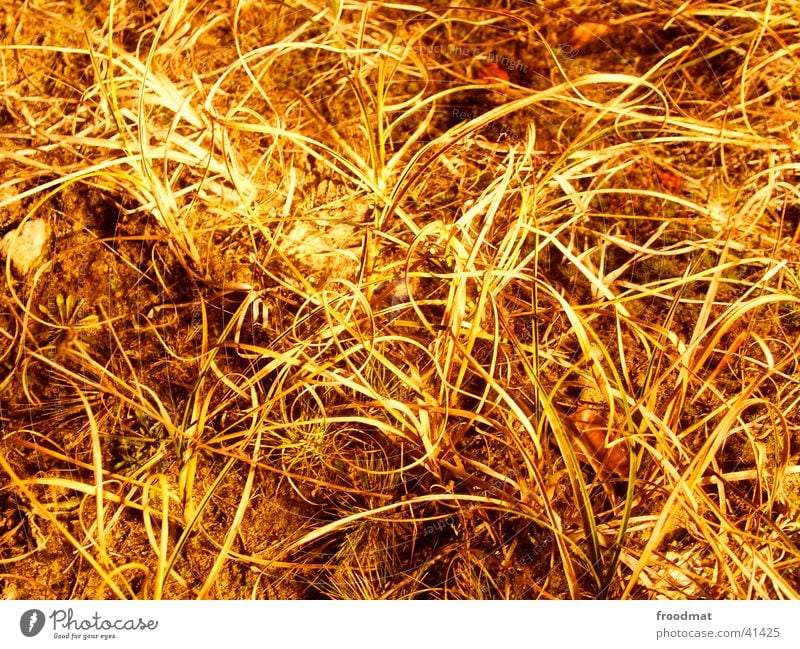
<point>374,300</point>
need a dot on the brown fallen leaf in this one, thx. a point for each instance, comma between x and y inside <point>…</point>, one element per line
<point>592,444</point>
<point>585,33</point>
<point>492,72</point>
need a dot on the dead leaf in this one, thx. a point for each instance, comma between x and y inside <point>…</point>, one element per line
<point>492,72</point>
<point>585,33</point>
<point>593,445</point>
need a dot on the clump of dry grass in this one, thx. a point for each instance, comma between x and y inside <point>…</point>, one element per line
<point>395,302</point>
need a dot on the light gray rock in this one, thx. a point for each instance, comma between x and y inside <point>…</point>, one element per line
<point>24,246</point>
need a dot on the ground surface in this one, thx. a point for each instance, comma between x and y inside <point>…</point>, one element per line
<point>398,301</point>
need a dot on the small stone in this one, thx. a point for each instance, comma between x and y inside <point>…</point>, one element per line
<point>24,246</point>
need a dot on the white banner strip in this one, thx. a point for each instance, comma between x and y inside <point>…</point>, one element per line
<point>410,625</point>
